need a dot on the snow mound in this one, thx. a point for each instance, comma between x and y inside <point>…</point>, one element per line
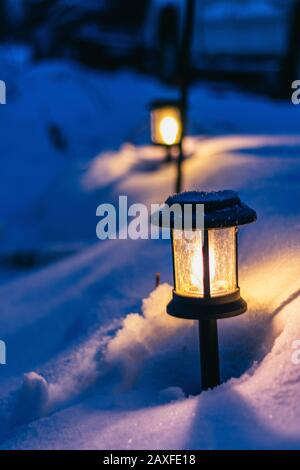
<point>32,400</point>
<point>110,167</point>
<point>148,337</point>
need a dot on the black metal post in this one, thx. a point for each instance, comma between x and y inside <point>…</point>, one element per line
<point>209,353</point>
<point>208,331</point>
<point>185,77</point>
<point>179,167</point>
<point>168,158</point>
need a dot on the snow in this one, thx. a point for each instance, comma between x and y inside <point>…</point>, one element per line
<point>105,366</point>
<point>147,337</point>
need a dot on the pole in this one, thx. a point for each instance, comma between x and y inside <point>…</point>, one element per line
<point>209,353</point>
<point>179,168</point>
<point>184,64</point>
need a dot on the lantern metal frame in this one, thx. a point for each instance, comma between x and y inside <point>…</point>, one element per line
<point>222,209</point>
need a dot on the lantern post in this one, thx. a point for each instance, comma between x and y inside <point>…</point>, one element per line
<point>182,104</point>
<point>166,125</point>
<point>204,229</point>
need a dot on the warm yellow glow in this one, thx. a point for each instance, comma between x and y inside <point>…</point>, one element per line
<point>166,127</point>
<point>188,263</point>
<point>169,130</point>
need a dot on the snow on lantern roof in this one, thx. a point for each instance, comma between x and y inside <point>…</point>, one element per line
<point>221,209</point>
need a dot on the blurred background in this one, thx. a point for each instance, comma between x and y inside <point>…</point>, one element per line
<point>80,76</point>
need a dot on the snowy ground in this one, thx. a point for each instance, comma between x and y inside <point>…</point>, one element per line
<point>104,368</point>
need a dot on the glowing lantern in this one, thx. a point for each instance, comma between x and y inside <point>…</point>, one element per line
<point>205,265</point>
<point>166,123</point>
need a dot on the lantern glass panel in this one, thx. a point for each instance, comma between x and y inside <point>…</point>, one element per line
<point>166,127</point>
<point>188,262</point>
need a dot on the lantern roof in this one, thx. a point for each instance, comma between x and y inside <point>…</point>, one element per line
<point>221,209</point>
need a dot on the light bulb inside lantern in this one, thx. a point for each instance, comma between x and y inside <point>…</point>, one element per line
<point>169,129</point>
<point>188,263</point>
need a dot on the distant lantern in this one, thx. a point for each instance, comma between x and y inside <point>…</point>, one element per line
<point>166,123</point>
<point>205,265</point>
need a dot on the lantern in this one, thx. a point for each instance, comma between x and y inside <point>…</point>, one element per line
<point>205,265</point>
<point>166,123</point>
